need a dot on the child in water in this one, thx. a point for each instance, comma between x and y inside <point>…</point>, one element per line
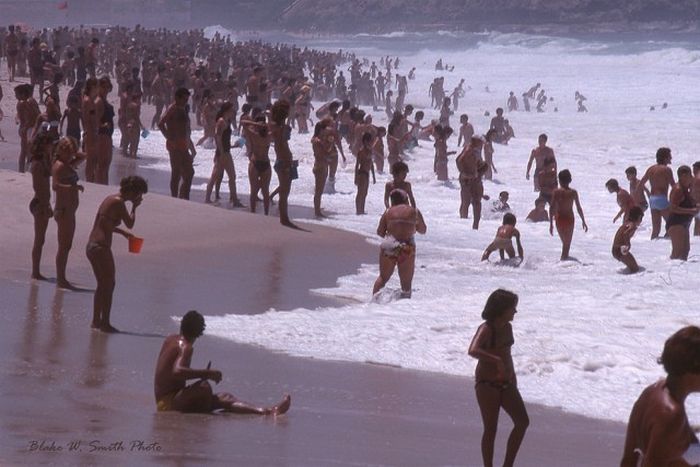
<point>539,214</point>
<point>399,171</point>
<point>504,239</point>
<point>501,205</point>
<point>621,243</point>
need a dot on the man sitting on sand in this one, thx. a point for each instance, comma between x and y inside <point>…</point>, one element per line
<point>173,370</point>
<point>504,239</point>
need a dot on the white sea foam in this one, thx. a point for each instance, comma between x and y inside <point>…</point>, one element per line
<point>586,336</point>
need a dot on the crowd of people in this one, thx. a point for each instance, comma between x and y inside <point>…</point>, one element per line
<point>182,73</point>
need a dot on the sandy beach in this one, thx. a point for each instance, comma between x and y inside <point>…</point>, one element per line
<point>74,396</point>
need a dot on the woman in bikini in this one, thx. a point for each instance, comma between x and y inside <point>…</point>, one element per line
<point>65,184</point>
<point>471,169</point>
<point>111,213</point>
<point>682,210</point>
<point>104,112</point>
<point>88,115</point>
<point>561,212</point>
<point>40,206</point>
<point>363,167</point>
<point>322,145</point>
<point>496,383</point>
<point>285,167</point>
<point>488,154</point>
<point>258,141</point>
<point>223,162</point>
<point>398,227</point>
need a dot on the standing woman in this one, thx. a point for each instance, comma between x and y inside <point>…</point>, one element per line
<point>27,113</point>
<point>496,384</point>
<point>88,115</point>
<point>222,157</point>
<point>280,133</point>
<point>65,184</point>
<point>488,154</point>
<point>322,144</point>
<point>111,213</point>
<point>105,129</point>
<point>682,210</point>
<point>259,169</point>
<point>208,116</point>
<point>40,206</point>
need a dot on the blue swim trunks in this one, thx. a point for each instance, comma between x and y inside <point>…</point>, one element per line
<point>658,202</point>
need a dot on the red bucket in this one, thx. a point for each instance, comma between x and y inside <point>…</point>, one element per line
<point>135,244</point>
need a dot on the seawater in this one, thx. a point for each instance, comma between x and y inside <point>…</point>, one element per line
<point>586,336</point>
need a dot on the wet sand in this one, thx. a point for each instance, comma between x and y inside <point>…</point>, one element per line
<point>63,382</point>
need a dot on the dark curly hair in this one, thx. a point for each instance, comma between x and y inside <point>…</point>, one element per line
<point>133,184</point>
<point>192,325</point>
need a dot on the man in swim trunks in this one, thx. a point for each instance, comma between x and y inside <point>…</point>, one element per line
<point>561,212</point>
<point>660,177</point>
<point>173,371</point>
<point>538,155</point>
<point>398,227</point>
<point>175,126</point>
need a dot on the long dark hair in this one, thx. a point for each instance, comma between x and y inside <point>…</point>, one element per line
<point>498,302</point>
<point>225,107</point>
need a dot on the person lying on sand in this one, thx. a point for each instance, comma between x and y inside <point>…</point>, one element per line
<point>173,371</point>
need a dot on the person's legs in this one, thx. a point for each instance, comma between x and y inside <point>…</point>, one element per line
<point>476,207</point>
<point>680,241</point>
<point>407,266</point>
<point>195,398</point>
<point>254,185</point>
<point>23,150</point>
<point>629,261</point>
<point>512,403</point>
<point>216,171</point>
<point>487,252</point>
<point>187,171</point>
<point>386,269</point>
<point>655,223</point>
<point>362,188</point>
<point>229,403</point>
<point>174,172</point>
<point>489,400</point>
<point>41,223</point>
<point>285,180</point>
<point>566,234</point>
<point>264,182</point>
<point>66,230</point>
<point>104,159</point>
<point>320,176</point>
<point>230,170</point>
<point>102,262</point>
<point>91,158</point>
<point>466,199</point>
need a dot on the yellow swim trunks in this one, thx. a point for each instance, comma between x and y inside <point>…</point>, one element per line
<point>165,403</point>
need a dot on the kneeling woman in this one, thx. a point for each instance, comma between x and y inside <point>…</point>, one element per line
<point>398,226</point>
<point>111,213</point>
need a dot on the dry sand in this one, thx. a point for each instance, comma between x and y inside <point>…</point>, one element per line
<point>63,382</point>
